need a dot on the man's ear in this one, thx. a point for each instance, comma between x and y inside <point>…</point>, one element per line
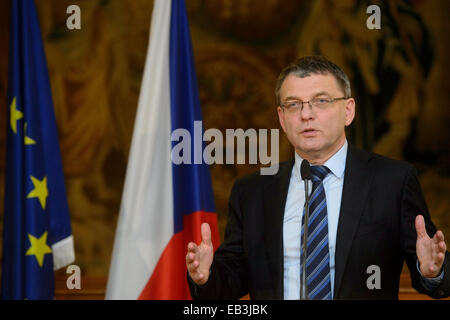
<point>349,111</point>
<point>281,117</point>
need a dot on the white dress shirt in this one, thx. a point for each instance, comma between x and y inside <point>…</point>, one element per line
<point>333,184</point>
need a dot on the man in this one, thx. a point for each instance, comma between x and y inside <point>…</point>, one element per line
<point>367,212</point>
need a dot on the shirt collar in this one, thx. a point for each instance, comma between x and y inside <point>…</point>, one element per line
<point>336,163</point>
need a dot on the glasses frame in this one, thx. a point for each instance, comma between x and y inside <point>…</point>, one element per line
<point>328,101</point>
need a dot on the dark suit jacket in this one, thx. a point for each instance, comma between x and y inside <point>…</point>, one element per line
<point>380,200</point>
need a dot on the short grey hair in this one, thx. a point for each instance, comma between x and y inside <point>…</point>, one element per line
<point>306,66</point>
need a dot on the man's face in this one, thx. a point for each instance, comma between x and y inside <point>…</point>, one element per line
<point>316,133</point>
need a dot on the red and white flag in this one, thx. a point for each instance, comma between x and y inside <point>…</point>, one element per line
<point>163,204</point>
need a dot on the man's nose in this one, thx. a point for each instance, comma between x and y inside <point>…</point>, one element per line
<point>306,112</point>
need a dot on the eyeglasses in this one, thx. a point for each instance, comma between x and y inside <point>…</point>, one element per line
<point>293,106</point>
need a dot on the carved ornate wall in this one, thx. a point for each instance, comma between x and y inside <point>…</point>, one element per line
<point>398,75</point>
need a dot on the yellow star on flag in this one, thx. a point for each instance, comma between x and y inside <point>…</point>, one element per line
<point>14,115</point>
<point>38,248</point>
<point>40,190</point>
<point>27,140</point>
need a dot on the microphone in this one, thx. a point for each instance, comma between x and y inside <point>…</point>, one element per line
<point>305,171</point>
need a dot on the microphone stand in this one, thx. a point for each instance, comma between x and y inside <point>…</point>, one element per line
<point>303,293</point>
<point>305,171</point>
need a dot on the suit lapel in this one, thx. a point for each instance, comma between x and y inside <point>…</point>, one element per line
<point>357,181</point>
<point>275,194</point>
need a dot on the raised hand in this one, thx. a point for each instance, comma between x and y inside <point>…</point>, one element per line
<point>430,251</point>
<point>199,257</point>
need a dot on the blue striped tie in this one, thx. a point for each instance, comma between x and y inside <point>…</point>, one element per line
<point>318,281</point>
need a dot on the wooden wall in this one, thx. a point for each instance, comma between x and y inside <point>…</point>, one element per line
<point>93,288</point>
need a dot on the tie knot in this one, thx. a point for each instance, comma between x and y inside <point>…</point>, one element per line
<point>319,172</point>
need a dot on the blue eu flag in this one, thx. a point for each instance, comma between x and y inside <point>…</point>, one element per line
<point>37,233</point>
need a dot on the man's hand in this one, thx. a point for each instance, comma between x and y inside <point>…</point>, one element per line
<point>199,257</point>
<point>430,251</point>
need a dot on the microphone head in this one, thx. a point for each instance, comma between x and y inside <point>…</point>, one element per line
<point>305,170</point>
